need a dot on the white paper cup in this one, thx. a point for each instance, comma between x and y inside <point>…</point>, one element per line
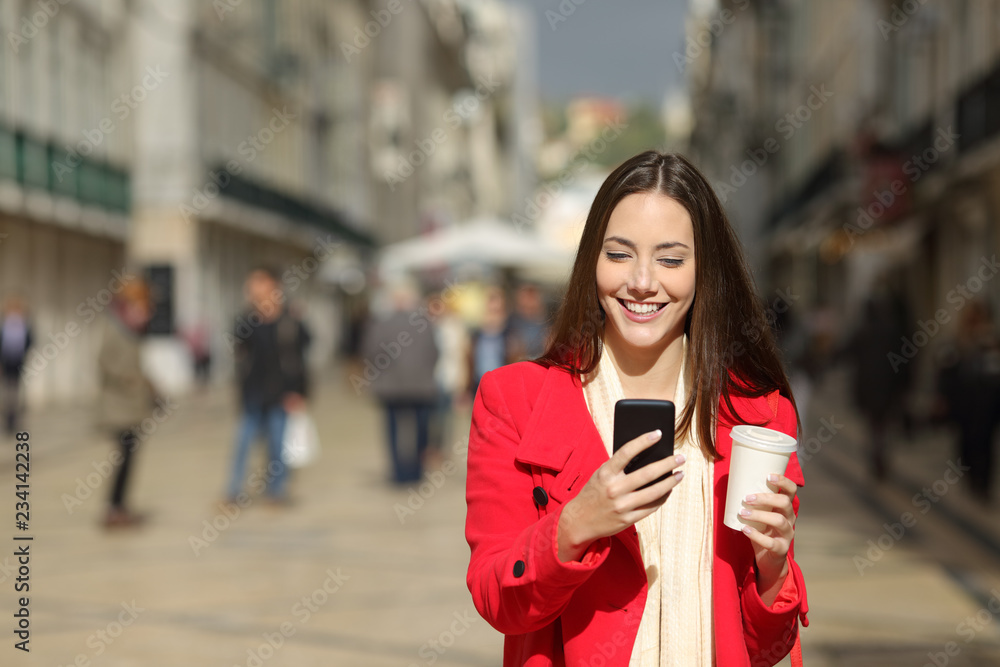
<point>757,452</point>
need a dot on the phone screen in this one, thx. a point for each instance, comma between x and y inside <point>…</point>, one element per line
<point>634,417</point>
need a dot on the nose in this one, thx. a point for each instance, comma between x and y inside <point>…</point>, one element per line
<point>641,279</point>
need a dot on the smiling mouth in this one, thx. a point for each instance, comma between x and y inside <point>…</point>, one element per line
<point>641,308</point>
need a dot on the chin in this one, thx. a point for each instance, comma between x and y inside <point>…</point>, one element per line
<point>646,340</point>
<point>647,344</point>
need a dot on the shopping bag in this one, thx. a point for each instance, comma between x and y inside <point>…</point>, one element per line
<point>300,446</point>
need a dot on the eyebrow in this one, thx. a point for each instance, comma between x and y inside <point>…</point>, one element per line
<point>660,246</point>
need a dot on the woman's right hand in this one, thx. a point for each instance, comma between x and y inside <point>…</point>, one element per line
<point>612,500</point>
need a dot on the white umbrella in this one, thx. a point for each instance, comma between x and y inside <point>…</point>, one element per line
<point>484,241</point>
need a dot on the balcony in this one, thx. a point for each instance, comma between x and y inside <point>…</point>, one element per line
<point>41,165</point>
<point>260,196</point>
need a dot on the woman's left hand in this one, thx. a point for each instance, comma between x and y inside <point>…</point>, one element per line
<point>774,514</point>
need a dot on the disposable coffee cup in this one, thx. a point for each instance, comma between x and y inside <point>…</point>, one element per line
<point>757,452</point>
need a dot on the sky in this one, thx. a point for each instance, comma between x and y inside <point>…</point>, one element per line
<point>617,48</point>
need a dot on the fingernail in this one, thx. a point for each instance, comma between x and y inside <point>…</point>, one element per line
<point>772,478</point>
<point>747,529</point>
<point>680,459</point>
<point>655,435</point>
<point>752,497</point>
<point>744,512</point>
<point>679,474</point>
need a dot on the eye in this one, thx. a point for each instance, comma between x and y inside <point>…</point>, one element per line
<point>671,262</point>
<point>616,256</point>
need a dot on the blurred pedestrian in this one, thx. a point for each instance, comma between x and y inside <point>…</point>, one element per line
<point>451,372</point>
<point>402,347</point>
<point>354,330</point>
<point>15,341</point>
<point>126,395</point>
<point>969,383</point>
<point>269,351</point>
<point>492,343</point>
<point>199,346</point>
<point>878,388</point>
<point>793,341</point>
<point>529,328</point>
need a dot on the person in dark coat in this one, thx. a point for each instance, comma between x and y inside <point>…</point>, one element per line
<point>878,389</point>
<point>15,341</point>
<point>969,383</point>
<point>269,346</point>
<point>400,350</point>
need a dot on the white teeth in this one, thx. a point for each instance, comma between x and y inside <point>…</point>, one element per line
<point>642,308</point>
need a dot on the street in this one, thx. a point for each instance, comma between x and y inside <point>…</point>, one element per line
<point>339,578</point>
<point>358,573</point>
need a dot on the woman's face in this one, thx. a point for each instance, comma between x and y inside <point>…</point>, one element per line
<point>645,273</point>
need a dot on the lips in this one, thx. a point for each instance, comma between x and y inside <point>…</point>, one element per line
<point>643,310</point>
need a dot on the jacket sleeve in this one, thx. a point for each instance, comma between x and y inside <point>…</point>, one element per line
<point>119,372</point>
<point>241,350</point>
<point>295,373</point>
<point>305,340</point>
<point>517,581</point>
<point>770,631</point>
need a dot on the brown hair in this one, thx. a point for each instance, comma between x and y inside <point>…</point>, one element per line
<point>135,290</point>
<point>731,349</point>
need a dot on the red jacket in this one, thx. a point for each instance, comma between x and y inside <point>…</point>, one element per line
<point>532,447</point>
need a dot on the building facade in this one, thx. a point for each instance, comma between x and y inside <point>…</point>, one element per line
<point>68,97</point>
<point>857,144</point>
<point>191,141</point>
<point>251,156</point>
<point>447,144</point>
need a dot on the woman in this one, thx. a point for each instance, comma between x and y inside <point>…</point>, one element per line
<point>571,559</point>
<point>127,396</point>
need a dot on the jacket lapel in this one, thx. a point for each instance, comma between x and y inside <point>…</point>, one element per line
<point>561,437</point>
<point>560,428</point>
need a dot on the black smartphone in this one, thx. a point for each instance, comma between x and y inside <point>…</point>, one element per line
<point>635,416</point>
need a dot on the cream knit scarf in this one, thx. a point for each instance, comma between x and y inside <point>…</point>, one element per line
<point>675,542</point>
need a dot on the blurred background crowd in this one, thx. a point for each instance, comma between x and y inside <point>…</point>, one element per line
<point>412,177</point>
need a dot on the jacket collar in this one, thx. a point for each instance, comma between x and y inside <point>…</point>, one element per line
<point>560,425</point>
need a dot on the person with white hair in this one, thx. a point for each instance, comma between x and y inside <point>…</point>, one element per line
<point>400,353</point>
